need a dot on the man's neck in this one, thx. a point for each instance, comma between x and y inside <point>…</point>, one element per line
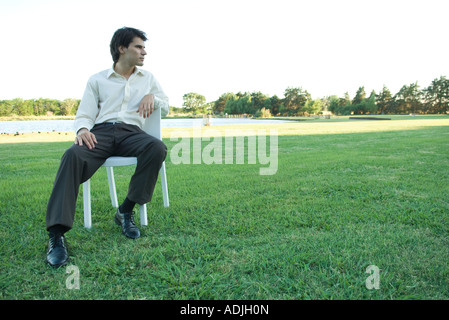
<point>124,70</point>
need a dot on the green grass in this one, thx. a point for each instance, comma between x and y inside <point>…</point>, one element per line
<point>344,197</point>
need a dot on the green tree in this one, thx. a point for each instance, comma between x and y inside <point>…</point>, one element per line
<point>207,108</point>
<point>360,95</point>
<point>385,101</point>
<point>363,105</point>
<point>437,96</point>
<point>409,99</point>
<point>345,106</point>
<point>193,101</point>
<point>220,103</point>
<point>245,105</point>
<point>346,100</point>
<point>257,99</point>
<point>52,106</point>
<point>241,103</point>
<point>68,107</point>
<point>370,103</point>
<point>6,108</point>
<point>313,106</point>
<point>333,103</point>
<point>27,108</point>
<point>276,104</point>
<point>231,104</point>
<point>295,100</point>
<point>38,107</point>
<point>19,107</point>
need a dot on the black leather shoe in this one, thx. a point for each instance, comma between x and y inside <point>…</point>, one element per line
<point>126,221</point>
<point>57,252</point>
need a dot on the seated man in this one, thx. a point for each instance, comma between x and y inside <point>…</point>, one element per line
<point>108,123</point>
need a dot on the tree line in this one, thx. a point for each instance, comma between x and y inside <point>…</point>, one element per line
<point>433,99</point>
<point>38,107</point>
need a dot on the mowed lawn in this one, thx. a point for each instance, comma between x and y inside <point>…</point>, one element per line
<point>346,196</point>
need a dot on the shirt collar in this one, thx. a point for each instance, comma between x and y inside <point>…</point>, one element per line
<point>112,71</point>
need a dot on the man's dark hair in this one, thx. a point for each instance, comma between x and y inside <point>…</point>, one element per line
<point>123,37</point>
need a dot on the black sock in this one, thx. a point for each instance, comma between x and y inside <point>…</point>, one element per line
<point>58,229</point>
<point>127,206</point>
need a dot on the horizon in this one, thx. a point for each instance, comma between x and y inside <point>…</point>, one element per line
<point>281,96</point>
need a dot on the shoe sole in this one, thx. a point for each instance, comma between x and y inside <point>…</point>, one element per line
<point>57,265</point>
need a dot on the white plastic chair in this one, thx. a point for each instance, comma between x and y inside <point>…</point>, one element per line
<point>152,126</point>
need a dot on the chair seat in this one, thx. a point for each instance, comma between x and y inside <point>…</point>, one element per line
<point>152,126</point>
<point>119,161</point>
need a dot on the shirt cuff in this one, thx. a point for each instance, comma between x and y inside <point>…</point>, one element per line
<point>161,104</point>
<point>83,123</point>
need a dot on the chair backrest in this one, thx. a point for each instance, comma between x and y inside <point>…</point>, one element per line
<point>152,124</point>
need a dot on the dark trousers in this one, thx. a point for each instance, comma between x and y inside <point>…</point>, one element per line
<point>78,164</point>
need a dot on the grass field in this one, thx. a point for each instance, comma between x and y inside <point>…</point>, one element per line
<point>347,195</point>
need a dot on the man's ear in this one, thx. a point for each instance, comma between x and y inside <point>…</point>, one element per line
<point>122,49</point>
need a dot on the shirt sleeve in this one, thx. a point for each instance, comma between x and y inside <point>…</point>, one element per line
<point>160,98</point>
<point>88,108</point>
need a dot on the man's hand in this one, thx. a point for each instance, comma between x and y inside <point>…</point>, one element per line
<point>86,137</point>
<point>146,106</point>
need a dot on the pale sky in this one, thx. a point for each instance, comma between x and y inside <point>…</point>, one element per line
<point>50,48</point>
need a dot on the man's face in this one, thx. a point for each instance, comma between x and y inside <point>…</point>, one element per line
<point>134,55</point>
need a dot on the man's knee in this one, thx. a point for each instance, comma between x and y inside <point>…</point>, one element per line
<point>161,149</point>
<point>156,150</point>
<point>71,153</point>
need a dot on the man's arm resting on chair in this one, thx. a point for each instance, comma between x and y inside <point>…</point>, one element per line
<point>146,106</point>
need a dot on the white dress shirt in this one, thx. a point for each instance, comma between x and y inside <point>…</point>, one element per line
<point>110,97</point>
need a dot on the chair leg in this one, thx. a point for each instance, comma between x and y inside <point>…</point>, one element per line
<point>143,215</point>
<point>112,189</point>
<point>86,205</point>
<point>143,208</point>
<point>164,185</point>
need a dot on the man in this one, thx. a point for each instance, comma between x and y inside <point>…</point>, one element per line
<point>108,122</point>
